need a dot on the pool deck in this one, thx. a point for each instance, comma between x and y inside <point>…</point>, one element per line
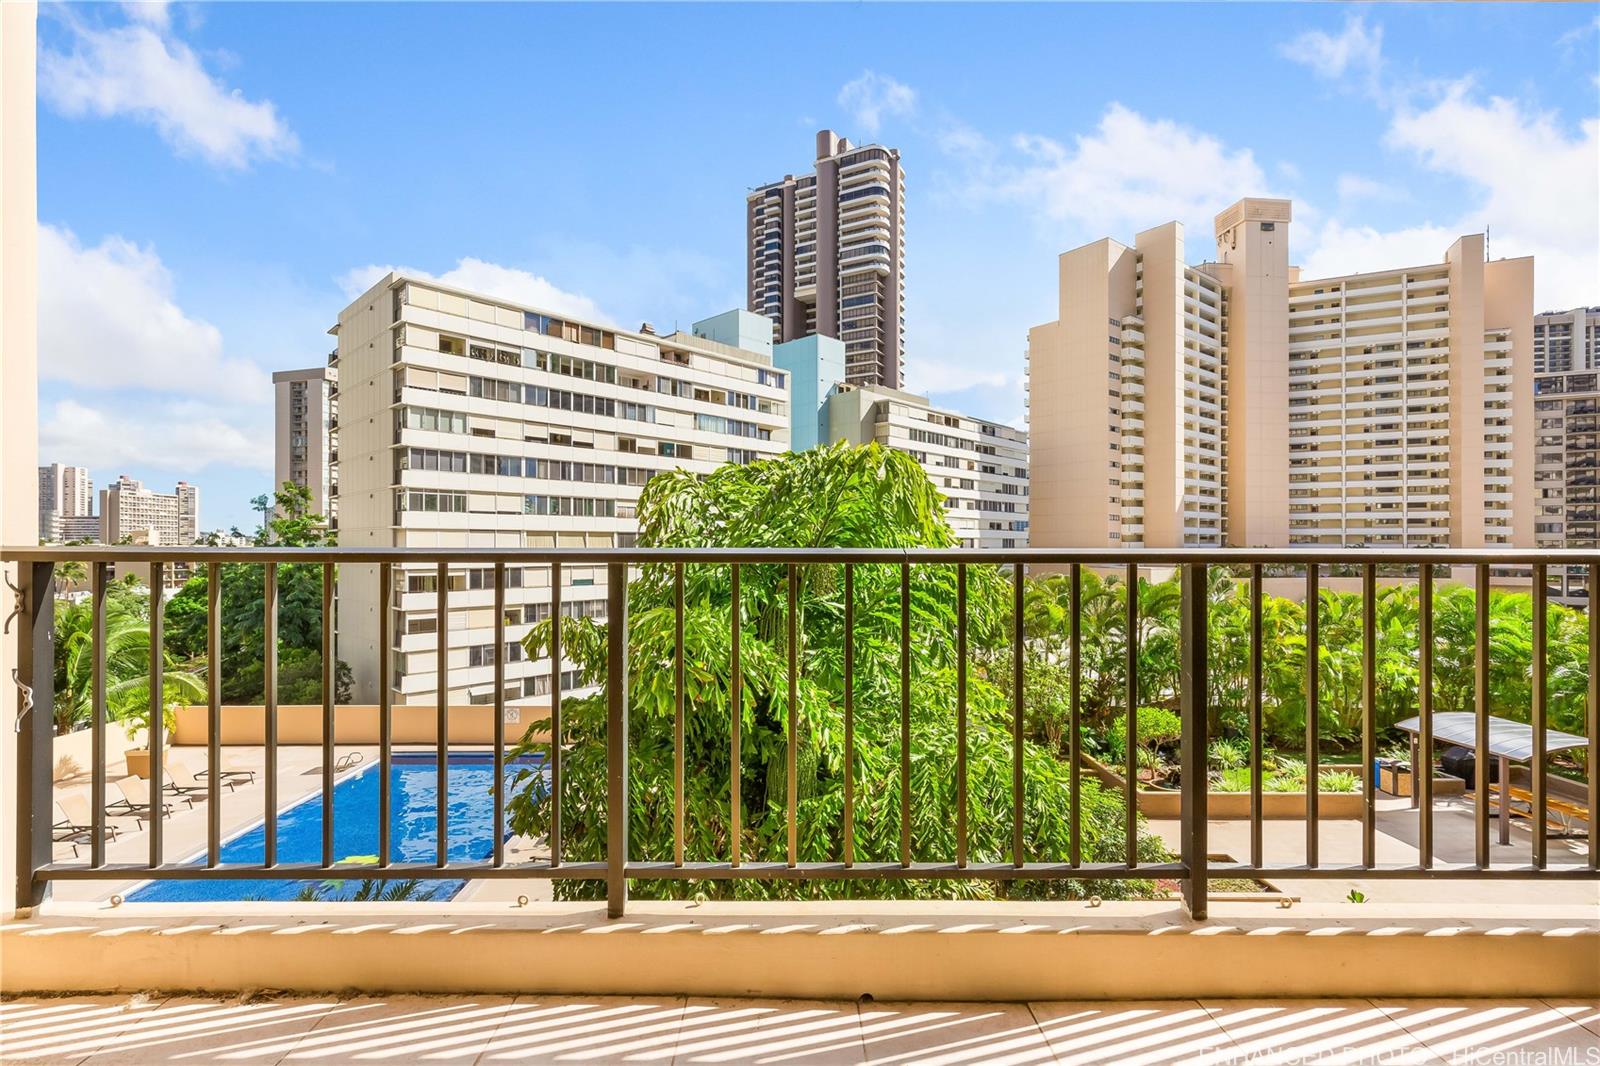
<point>1284,842</point>
<point>491,1029</point>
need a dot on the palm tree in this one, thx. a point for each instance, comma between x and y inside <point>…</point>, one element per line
<point>127,658</point>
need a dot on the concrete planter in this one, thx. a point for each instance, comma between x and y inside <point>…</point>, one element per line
<point>138,760</point>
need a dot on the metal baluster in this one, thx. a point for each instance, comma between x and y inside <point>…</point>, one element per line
<point>1540,697</point>
<point>677,716</point>
<point>1130,740</point>
<point>1481,720</point>
<point>905,714</point>
<point>157,731</point>
<point>1256,849</point>
<point>1593,763</point>
<point>617,808</point>
<point>1018,684</point>
<point>269,711</point>
<point>961,714</point>
<point>849,715</point>
<point>790,769</point>
<point>736,717</point>
<point>385,711</point>
<point>97,783</point>
<point>1369,715</point>
<point>441,728</point>
<point>213,716</point>
<point>499,856</point>
<point>555,714</point>
<point>328,856</point>
<point>1424,766</point>
<point>1193,679</point>
<point>1313,710</point>
<point>1074,715</point>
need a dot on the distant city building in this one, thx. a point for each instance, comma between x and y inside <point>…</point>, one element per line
<point>826,256</point>
<point>471,421</point>
<point>77,527</point>
<point>1566,474</point>
<point>129,510</point>
<point>305,433</point>
<point>981,467</point>
<point>1236,402</point>
<point>815,365</point>
<point>66,497</point>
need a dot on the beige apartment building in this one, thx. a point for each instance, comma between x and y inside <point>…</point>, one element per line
<point>826,255</point>
<point>306,434</point>
<point>143,516</point>
<point>66,503</point>
<point>980,467</point>
<point>1237,402</point>
<point>470,421</point>
<point>1566,406</point>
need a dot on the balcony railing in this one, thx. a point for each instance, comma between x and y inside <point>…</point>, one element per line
<point>1193,869</point>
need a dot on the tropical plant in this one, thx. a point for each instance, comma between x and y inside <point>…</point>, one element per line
<point>127,662</point>
<point>827,497</point>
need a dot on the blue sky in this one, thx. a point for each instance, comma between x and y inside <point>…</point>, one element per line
<point>216,180</point>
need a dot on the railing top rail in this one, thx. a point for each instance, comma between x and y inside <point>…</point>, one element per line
<point>57,553</point>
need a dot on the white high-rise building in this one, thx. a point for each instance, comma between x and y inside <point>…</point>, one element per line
<point>1235,401</point>
<point>1566,405</point>
<point>129,510</point>
<point>471,421</point>
<point>826,256</point>
<point>306,441</point>
<point>66,498</point>
<point>980,467</point>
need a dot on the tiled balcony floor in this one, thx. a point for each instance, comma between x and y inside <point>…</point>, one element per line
<point>492,1029</point>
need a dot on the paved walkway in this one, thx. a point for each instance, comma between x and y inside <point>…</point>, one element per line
<point>493,1029</point>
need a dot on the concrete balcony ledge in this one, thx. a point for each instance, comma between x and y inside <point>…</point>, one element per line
<point>885,950</point>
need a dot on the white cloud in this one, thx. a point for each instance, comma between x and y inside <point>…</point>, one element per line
<point>1357,187</point>
<point>1357,51</point>
<point>139,71</point>
<point>1340,248</point>
<point>180,436</point>
<point>873,96</point>
<point>491,279</point>
<point>1130,173</point>
<point>151,12</point>
<point>1533,180</point>
<point>108,320</point>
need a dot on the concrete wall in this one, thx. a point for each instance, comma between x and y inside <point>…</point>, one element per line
<point>1161,250</point>
<point>1258,371</point>
<point>1508,303</point>
<point>19,413</point>
<point>355,723</point>
<point>814,364</point>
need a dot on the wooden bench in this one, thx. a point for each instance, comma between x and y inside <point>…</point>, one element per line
<point>1559,814</point>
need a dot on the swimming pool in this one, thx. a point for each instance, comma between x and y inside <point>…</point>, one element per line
<point>413,784</point>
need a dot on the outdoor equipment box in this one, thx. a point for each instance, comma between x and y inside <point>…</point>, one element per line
<point>1394,777</point>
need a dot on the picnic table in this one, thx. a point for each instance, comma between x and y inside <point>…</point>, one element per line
<point>1509,742</point>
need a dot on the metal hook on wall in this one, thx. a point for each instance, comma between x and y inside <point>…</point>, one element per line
<point>15,610</point>
<point>27,700</point>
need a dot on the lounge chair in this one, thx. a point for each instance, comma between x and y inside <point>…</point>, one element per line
<point>231,770</point>
<point>184,782</point>
<point>135,801</point>
<point>74,822</point>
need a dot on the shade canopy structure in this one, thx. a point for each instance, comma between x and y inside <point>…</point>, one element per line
<point>1507,739</point>
<point>1509,742</point>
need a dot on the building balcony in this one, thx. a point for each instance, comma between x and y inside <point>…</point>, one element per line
<point>508,886</point>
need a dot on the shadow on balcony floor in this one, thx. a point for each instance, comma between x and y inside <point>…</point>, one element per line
<point>491,1029</point>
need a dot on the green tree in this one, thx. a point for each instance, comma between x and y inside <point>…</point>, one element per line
<point>838,497</point>
<point>292,524</point>
<point>127,656</point>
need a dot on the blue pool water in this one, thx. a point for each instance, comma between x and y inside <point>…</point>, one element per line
<point>413,784</point>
